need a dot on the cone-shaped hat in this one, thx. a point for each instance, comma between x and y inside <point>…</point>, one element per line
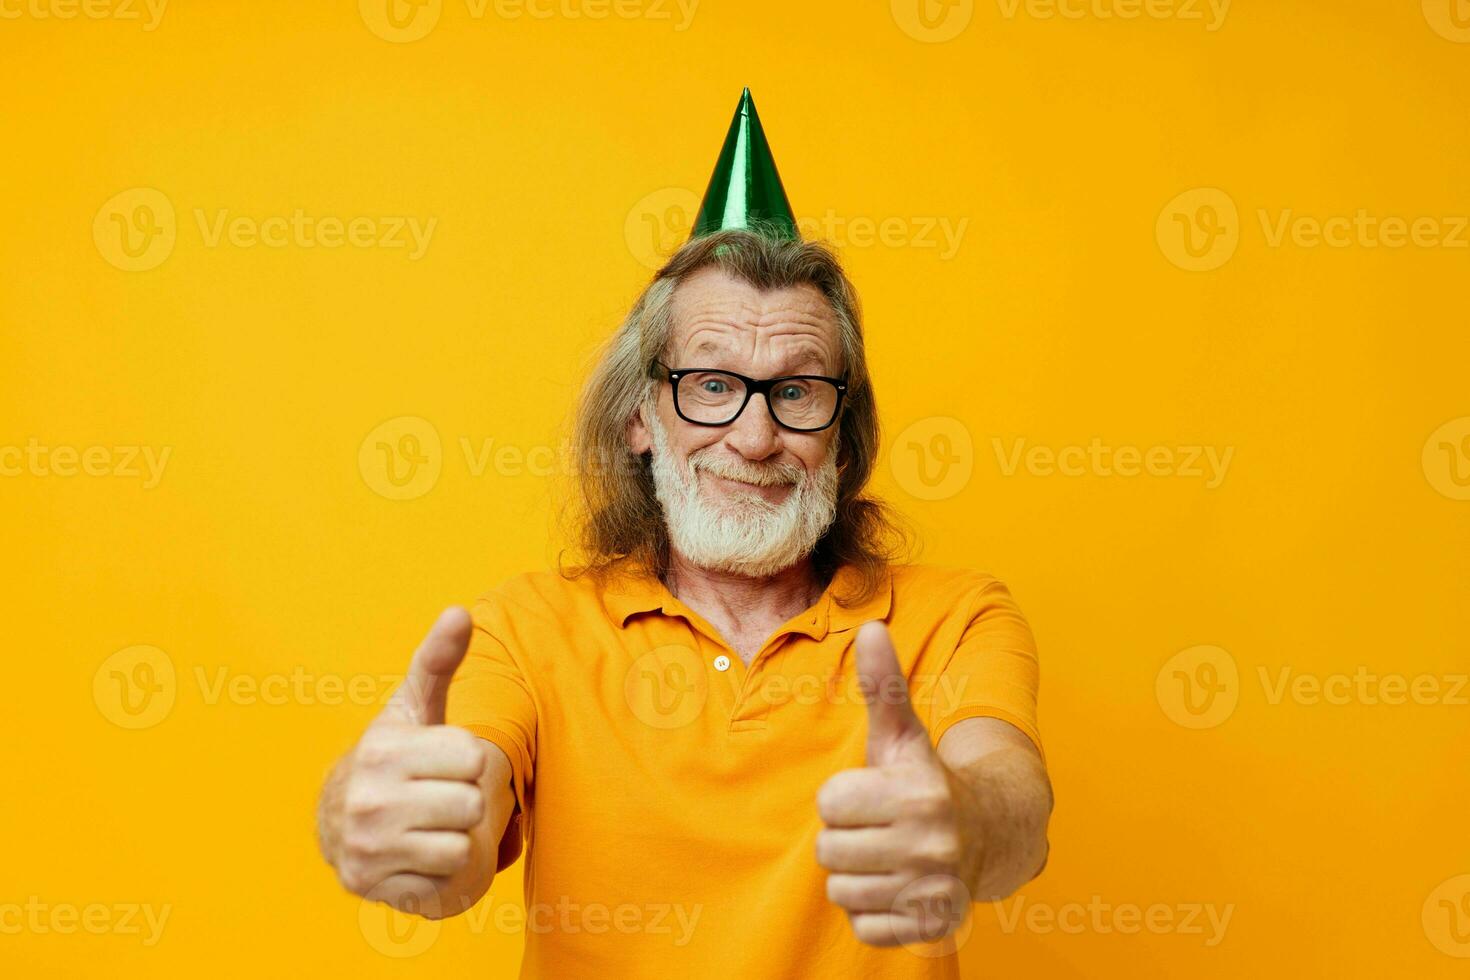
<point>745,190</point>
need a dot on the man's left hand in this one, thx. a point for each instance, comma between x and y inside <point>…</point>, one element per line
<point>898,838</point>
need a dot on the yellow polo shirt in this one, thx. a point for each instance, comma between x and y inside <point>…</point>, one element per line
<point>666,792</point>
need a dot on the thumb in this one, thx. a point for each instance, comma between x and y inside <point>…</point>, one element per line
<point>419,700</point>
<point>895,732</point>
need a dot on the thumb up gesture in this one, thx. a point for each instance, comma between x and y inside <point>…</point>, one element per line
<point>892,836</point>
<point>397,814</point>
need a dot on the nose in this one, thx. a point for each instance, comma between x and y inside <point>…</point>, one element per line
<point>755,435</point>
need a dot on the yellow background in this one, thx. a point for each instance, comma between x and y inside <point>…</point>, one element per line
<point>546,149</point>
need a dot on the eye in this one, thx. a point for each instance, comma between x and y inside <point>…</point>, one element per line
<point>791,392</point>
<point>714,386</point>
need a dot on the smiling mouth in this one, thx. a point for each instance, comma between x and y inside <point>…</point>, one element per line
<point>771,493</point>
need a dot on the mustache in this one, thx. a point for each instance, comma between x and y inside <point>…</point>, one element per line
<point>775,475</point>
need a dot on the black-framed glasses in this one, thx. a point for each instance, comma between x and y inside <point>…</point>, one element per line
<point>800,402</point>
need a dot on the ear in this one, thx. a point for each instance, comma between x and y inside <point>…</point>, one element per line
<point>640,439</point>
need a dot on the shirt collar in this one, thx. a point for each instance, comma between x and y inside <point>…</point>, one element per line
<point>633,589</point>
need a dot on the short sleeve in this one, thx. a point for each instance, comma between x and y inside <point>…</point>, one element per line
<point>994,670</point>
<point>491,697</point>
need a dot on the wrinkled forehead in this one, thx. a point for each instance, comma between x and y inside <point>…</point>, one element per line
<point>720,321</point>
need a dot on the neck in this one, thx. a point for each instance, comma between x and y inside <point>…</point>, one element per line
<point>780,596</point>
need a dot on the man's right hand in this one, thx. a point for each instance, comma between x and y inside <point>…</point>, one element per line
<point>403,816</point>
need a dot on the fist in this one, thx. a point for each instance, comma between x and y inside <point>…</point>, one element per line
<point>405,799</point>
<point>892,837</point>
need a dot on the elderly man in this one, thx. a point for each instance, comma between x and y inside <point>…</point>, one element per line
<point>741,738</point>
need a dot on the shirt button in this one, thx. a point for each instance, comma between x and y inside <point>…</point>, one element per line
<point>722,663</point>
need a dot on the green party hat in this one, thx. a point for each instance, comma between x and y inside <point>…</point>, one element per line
<point>745,191</point>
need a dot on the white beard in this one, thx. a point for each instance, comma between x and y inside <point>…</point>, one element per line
<point>746,535</point>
